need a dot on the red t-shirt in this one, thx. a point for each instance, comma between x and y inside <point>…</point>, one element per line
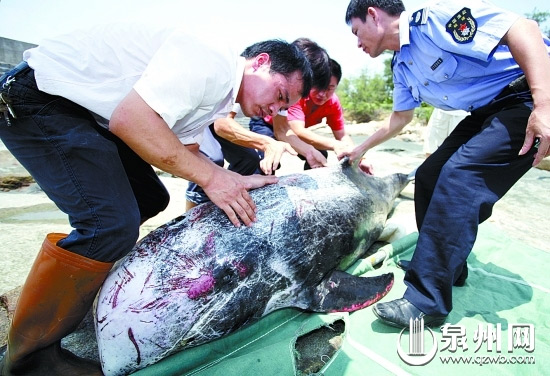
<point>311,114</point>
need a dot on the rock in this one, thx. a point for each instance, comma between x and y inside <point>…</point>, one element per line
<point>7,183</point>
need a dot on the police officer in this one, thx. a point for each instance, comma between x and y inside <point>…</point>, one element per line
<point>467,55</point>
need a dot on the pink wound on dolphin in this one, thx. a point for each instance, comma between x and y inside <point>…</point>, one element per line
<point>200,286</point>
<point>210,244</point>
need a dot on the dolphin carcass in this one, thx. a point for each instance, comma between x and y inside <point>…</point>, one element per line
<point>198,277</point>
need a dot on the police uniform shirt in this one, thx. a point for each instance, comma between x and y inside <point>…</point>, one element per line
<point>450,58</point>
<point>188,80</point>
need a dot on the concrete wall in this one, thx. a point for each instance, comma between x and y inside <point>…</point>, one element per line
<point>11,53</point>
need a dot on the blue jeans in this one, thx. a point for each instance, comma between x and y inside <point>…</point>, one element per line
<point>106,189</point>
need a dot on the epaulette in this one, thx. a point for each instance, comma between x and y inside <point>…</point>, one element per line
<point>420,17</point>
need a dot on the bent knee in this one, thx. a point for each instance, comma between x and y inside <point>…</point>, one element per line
<point>108,239</point>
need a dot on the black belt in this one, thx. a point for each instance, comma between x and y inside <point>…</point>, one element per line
<point>519,85</point>
<point>517,91</point>
<point>14,72</point>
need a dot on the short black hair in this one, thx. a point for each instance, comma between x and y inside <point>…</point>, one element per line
<point>335,70</point>
<point>318,59</point>
<point>286,59</point>
<point>358,8</point>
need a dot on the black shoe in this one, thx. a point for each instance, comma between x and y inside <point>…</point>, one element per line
<point>460,281</point>
<point>398,313</point>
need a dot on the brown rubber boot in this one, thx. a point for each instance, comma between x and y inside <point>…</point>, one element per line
<point>57,294</point>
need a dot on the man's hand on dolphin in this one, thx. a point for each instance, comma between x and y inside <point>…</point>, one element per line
<point>315,159</point>
<point>229,191</point>
<point>272,155</point>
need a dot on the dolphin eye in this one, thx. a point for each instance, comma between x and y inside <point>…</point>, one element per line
<point>224,275</point>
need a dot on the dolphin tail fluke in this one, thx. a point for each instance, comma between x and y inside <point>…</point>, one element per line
<point>341,291</point>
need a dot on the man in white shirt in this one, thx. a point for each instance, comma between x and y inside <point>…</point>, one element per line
<point>440,126</point>
<point>87,114</point>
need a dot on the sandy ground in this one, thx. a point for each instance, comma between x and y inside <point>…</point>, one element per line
<point>26,214</point>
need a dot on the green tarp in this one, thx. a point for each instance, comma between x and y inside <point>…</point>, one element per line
<point>500,324</point>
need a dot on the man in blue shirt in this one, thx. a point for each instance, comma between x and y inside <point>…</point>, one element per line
<point>475,57</point>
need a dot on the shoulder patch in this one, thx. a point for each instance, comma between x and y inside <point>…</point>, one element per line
<point>462,26</point>
<point>419,17</point>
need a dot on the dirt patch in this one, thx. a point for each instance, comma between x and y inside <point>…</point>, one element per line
<point>8,183</point>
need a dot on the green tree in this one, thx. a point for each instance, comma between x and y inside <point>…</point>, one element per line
<point>364,98</point>
<point>370,97</point>
<point>540,17</point>
<point>367,97</point>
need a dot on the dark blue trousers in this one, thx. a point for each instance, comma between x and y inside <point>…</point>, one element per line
<point>246,161</point>
<point>106,189</point>
<point>455,190</point>
<point>243,160</point>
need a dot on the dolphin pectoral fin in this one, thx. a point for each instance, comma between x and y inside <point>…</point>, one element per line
<point>341,291</point>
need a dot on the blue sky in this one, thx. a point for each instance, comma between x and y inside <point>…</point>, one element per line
<point>248,20</point>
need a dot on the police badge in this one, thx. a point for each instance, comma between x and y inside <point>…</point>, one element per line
<point>462,26</point>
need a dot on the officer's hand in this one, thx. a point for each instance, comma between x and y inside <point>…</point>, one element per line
<point>538,133</point>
